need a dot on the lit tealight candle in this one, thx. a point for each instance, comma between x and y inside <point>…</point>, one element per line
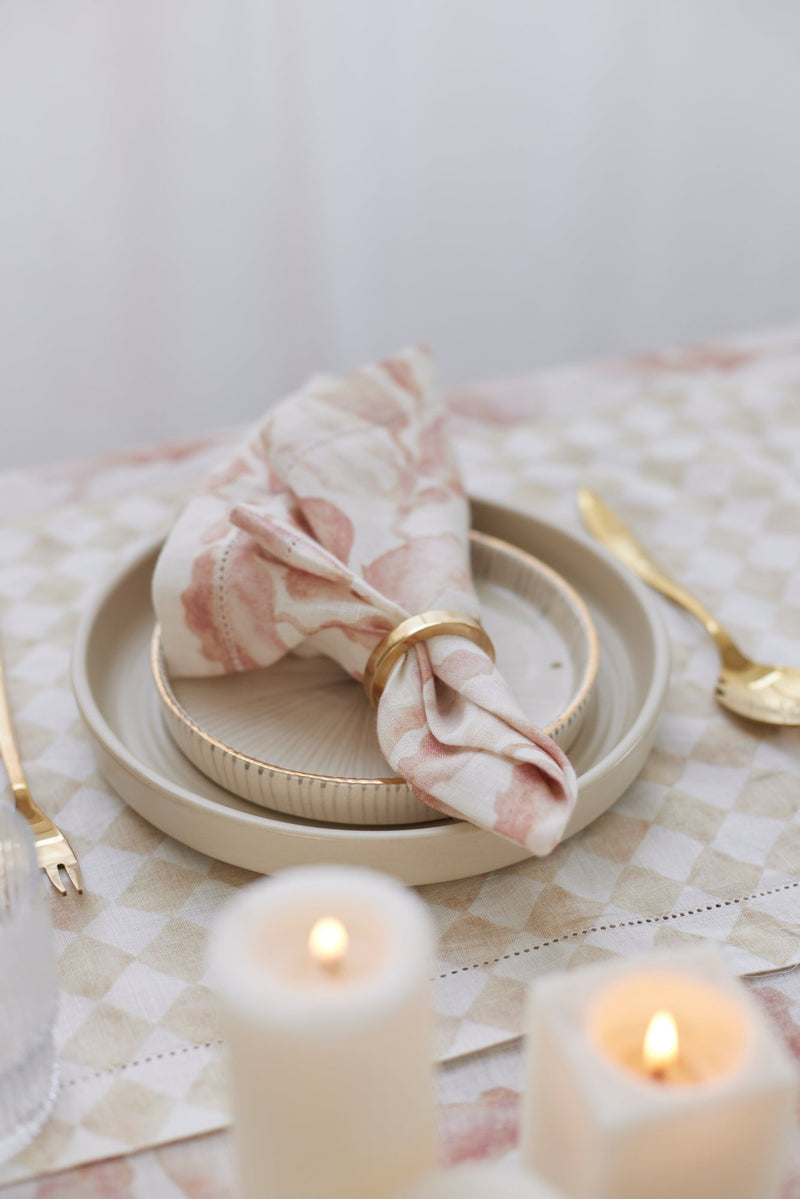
<point>323,974</point>
<point>655,1076</point>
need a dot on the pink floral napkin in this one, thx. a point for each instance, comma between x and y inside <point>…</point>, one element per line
<point>342,515</point>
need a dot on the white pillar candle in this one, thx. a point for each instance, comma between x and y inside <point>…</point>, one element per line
<point>705,1110</point>
<point>329,1031</point>
<point>479,1182</point>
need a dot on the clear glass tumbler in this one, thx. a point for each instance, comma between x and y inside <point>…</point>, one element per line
<point>28,991</point>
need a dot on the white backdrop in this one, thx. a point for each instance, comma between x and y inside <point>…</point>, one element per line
<point>202,201</point>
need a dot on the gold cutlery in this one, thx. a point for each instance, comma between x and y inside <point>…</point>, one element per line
<point>770,694</point>
<point>53,850</point>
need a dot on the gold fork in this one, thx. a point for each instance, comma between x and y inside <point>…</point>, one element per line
<point>53,850</point>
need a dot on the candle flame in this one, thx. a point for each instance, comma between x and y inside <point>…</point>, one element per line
<point>660,1043</point>
<point>327,942</point>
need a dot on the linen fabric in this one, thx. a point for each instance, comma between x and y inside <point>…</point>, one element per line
<point>704,845</point>
<point>342,515</point>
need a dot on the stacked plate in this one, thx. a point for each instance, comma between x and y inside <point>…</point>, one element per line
<point>281,766</point>
<point>299,737</point>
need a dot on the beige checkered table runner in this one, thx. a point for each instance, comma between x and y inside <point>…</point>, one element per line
<point>699,450</point>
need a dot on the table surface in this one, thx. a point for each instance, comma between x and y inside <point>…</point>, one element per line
<point>691,462</point>
<point>478,1111</point>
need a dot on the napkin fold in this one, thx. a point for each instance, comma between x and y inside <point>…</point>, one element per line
<point>341,515</point>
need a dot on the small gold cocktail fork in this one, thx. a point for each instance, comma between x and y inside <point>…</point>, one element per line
<point>53,850</point>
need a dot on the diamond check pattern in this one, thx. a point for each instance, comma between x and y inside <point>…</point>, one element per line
<point>699,451</point>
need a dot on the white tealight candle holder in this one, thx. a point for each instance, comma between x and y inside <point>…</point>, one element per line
<point>479,1182</point>
<point>656,1077</point>
<point>323,975</point>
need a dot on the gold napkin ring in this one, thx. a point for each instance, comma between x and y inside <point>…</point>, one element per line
<point>408,633</point>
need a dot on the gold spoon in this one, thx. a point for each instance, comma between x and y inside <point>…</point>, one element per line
<point>770,694</point>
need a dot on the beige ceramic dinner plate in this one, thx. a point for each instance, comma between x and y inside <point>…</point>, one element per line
<point>300,736</point>
<point>122,712</point>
